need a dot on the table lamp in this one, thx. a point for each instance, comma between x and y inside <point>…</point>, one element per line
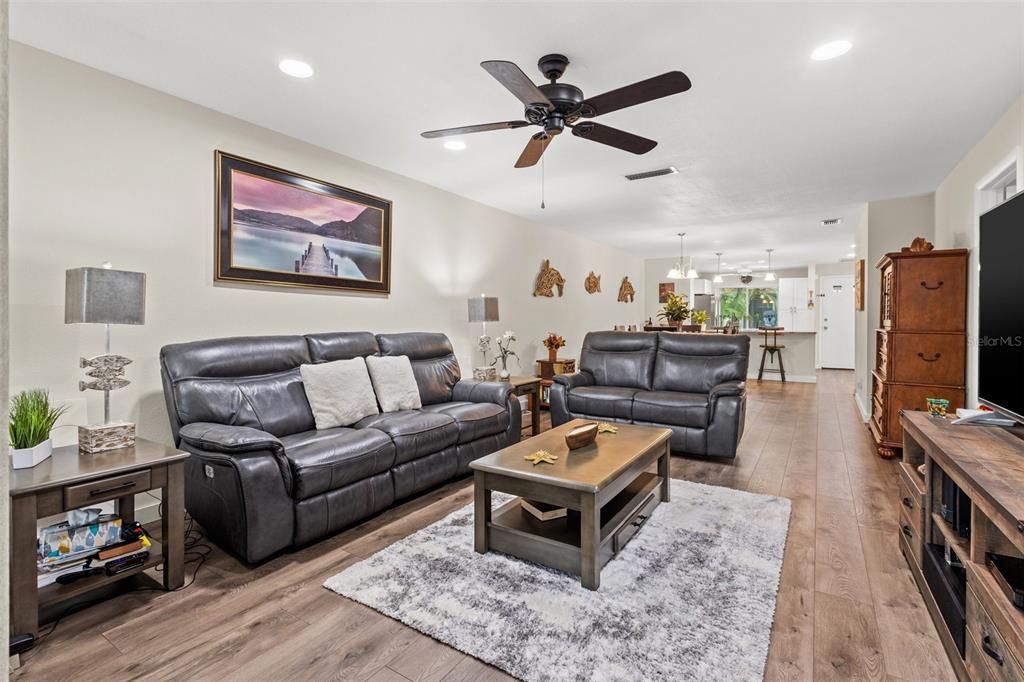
<point>484,309</point>
<point>104,296</point>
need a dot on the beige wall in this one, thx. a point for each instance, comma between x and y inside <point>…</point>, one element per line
<point>891,224</point>
<point>4,336</point>
<point>103,169</point>
<point>956,209</point>
<point>860,319</point>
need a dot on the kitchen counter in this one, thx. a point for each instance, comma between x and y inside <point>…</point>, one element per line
<point>797,356</point>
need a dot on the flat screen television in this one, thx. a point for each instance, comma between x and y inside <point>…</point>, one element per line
<point>1001,308</point>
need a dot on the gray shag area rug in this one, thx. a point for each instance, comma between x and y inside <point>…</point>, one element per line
<point>691,597</point>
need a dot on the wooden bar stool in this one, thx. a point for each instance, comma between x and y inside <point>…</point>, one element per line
<point>771,349</point>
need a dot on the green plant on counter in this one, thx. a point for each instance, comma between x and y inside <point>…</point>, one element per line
<point>32,418</point>
<point>699,316</point>
<point>676,309</point>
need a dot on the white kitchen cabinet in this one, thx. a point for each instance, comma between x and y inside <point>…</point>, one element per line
<point>794,314</point>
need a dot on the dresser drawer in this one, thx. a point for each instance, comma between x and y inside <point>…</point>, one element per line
<point>635,522</point>
<point>104,489</point>
<point>911,505</point>
<point>977,667</point>
<point>994,652</point>
<point>910,535</point>
<point>931,293</point>
<point>927,358</point>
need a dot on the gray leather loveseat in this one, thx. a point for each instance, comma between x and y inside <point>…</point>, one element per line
<point>262,478</point>
<point>692,384</point>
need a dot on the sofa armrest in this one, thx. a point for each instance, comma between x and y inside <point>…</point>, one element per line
<point>727,388</point>
<point>229,439</point>
<point>571,381</point>
<point>473,391</point>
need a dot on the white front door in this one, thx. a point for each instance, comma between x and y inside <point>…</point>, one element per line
<point>837,334</point>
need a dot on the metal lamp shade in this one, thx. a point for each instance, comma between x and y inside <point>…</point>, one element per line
<point>103,296</point>
<point>483,309</point>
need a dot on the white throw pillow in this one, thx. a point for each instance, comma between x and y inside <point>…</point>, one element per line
<point>339,392</point>
<point>394,383</point>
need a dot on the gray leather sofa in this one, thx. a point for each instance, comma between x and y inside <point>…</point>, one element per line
<point>693,384</point>
<point>262,478</point>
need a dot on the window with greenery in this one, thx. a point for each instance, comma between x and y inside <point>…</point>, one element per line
<point>748,307</point>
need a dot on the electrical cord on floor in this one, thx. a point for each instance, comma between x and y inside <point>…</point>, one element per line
<point>194,548</point>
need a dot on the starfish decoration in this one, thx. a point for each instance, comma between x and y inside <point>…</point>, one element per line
<point>541,456</point>
<point>605,427</point>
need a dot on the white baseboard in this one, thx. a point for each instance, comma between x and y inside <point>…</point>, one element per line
<point>794,378</point>
<point>148,512</point>
<point>864,414</point>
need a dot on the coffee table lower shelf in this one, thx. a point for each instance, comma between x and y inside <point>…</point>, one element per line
<point>556,543</point>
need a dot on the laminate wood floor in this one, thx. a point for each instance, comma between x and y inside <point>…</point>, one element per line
<point>847,606</point>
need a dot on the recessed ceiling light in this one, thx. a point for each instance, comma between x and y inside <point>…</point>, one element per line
<point>853,246</point>
<point>761,261</point>
<point>454,145</point>
<point>836,48</point>
<point>295,68</point>
<point>851,255</point>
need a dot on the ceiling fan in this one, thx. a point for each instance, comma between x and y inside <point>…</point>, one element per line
<point>555,106</point>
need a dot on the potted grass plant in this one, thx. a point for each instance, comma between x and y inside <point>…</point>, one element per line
<point>30,422</point>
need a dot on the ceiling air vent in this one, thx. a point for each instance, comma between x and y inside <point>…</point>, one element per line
<point>831,222</point>
<point>668,170</point>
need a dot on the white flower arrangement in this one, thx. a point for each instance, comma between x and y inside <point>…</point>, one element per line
<point>505,351</point>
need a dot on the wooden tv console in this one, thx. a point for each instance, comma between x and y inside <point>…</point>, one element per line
<point>987,463</point>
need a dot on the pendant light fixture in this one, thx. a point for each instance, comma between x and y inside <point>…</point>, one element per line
<point>769,276</point>
<point>691,273</point>
<point>677,270</point>
<point>718,270</point>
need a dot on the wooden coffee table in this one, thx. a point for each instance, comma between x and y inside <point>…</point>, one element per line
<point>606,487</point>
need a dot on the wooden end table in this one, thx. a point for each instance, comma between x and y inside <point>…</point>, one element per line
<point>529,386</point>
<point>606,488</point>
<point>69,481</point>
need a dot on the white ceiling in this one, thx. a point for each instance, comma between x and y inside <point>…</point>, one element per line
<point>767,141</point>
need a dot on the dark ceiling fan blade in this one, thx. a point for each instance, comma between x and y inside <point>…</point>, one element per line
<point>534,150</point>
<point>613,137</point>
<point>664,85</point>
<point>517,82</point>
<point>483,127</point>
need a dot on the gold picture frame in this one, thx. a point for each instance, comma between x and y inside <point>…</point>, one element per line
<point>858,285</point>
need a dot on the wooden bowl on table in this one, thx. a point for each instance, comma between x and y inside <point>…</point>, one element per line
<point>581,436</point>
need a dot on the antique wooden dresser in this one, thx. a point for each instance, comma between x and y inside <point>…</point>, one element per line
<point>921,342</point>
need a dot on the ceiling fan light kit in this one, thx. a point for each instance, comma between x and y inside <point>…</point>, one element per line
<point>555,106</point>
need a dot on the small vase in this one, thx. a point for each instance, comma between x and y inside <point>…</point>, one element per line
<point>504,374</point>
<point>552,354</point>
<point>26,458</point>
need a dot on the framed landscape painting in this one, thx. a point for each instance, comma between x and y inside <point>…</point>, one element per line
<point>281,228</point>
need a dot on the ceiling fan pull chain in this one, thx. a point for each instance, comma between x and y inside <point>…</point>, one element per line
<point>542,183</point>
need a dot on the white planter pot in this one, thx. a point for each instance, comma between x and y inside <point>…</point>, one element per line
<point>26,458</point>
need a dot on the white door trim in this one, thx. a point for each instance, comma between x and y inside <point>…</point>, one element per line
<point>1013,160</point>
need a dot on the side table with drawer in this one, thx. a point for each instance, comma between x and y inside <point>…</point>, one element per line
<point>68,480</point>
